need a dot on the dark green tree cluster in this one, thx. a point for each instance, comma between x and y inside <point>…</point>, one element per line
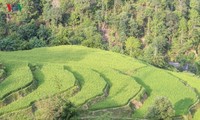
<point>152,30</point>
<point>162,109</point>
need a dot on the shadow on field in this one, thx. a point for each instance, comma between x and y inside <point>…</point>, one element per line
<point>182,105</point>
<point>38,75</point>
<point>104,77</point>
<point>139,81</point>
<point>4,85</point>
<point>79,78</point>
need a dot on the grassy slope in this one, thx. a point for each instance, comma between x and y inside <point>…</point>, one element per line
<point>92,85</point>
<point>194,82</point>
<point>52,79</point>
<point>123,88</point>
<point>157,82</point>
<point>19,74</point>
<point>189,78</point>
<point>197,115</point>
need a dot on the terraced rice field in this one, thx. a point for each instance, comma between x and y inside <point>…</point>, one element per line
<point>19,74</point>
<point>103,80</point>
<point>160,83</point>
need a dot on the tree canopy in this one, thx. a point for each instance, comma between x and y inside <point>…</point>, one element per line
<point>152,30</point>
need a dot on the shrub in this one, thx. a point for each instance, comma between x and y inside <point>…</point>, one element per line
<point>64,110</point>
<point>162,109</point>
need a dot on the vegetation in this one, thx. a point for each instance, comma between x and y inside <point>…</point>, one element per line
<point>55,108</point>
<point>123,88</point>
<point>162,109</point>
<point>151,30</point>
<point>197,115</point>
<point>165,34</point>
<point>105,79</point>
<point>21,76</point>
<point>52,79</point>
<point>88,79</point>
<point>173,90</point>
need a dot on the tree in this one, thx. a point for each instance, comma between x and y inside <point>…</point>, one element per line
<point>155,53</point>
<point>56,108</point>
<point>133,46</point>
<point>182,7</point>
<point>10,44</point>
<point>31,10</point>
<point>172,23</point>
<point>134,28</point>
<point>2,24</point>
<point>44,33</point>
<point>162,109</point>
<point>194,25</point>
<point>27,31</point>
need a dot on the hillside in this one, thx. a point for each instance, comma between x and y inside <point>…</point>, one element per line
<point>157,32</point>
<point>97,82</point>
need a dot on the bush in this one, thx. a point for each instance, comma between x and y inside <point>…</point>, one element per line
<point>56,109</point>
<point>27,31</point>
<point>9,44</point>
<point>162,109</point>
<point>33,43</point>
<point>64,110</point>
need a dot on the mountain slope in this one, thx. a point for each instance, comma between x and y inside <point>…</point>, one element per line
<point>60,67</point>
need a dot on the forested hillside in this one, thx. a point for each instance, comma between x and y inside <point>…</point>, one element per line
<point>156,31</point>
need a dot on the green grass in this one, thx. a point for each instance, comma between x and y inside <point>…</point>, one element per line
<point>52,79</point>
<point>123,88</point>
<point>159,83</point>
<point>92,85</point>
<point>192,80</point>
<point>197,115</point>
<point>19,75</point>
<point>93,68</point>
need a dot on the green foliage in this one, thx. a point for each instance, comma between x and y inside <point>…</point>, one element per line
<point>93,68</point>
<point>8,44</point>
<point>55,108</point>
<point>28,31</point>
<point>166,28</point>
<point>44,33</point>
<point>34,43</point>
<point>162,109</point>
<point>2,24</point>
<point>133,45</point>
<point>64,110</point>
<point>157,59</point>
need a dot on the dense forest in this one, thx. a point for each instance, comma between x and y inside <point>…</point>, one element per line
<point>156,31</point>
